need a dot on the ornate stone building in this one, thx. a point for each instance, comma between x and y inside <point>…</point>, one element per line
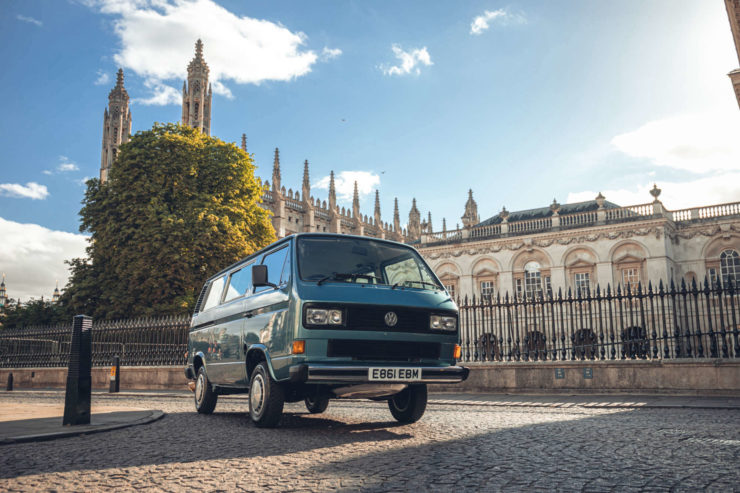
<point>577,246</point>
<point>197,93</point>
<point>116,125</point>
<point>733,12</point>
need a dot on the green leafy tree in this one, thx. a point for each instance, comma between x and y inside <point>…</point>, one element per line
<point>178,206</point>
<point>34,312</point>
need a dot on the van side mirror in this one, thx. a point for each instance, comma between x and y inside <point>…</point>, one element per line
<point>259,277</point>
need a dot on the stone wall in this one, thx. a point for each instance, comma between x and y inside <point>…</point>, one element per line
<point>699,376</point>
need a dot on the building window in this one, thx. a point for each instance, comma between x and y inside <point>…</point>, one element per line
<point>713,276</point>
<point>582,282</point>
<point>486,289</point>
<point>532,279</point>
<point>451,290</point>
<point>630,277</point>
<point>729,262</point>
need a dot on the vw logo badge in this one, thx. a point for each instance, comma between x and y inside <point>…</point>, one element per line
<point>391,319</point>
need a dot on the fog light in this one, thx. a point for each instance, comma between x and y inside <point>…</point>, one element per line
<point>457,353</point>
<point>299,347</point>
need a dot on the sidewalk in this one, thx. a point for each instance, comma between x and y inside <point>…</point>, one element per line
<point>23,423</point>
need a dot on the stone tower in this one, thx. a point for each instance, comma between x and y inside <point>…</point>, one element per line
<point>733,13</point>
<point>116,126</point>
<point>471,217</point>
<point>196,94</point>
<point>3,293</point>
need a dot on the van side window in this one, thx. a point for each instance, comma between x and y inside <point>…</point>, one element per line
<point>274,262</point>
<point>240,283</point>
<point>285,276</point>
<point>214,293</point>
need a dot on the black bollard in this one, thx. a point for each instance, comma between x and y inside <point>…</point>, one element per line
<point>9,386</point>
<point>79,378</point>
<point>115,375</point>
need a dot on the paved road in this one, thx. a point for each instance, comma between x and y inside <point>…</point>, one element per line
<point>357,446</point>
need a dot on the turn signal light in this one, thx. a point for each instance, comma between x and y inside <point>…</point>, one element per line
<point>299,347</point>
<point>457,353</point>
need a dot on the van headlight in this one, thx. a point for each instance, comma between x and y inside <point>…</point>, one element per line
<point>440,322</point>
<point>323,316</point>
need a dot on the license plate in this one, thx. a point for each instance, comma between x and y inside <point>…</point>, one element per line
<point>394,374</point>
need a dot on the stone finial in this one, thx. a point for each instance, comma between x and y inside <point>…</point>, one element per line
<point>504,214</point>
<point>332,192</point>
<point>119,78</point>
<point>470,218</point>
<point>198,64</point>
<point>655,192</point>
<point>600,199</point>
<point>118,91</point>
<point>244,142</point>
<point>555,207</point>
<point>444,224</point>
<point>356,203</point>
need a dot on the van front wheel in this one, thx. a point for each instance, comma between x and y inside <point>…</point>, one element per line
<point>408,406</point>
<point>266,398</point>
<point>205,397</point>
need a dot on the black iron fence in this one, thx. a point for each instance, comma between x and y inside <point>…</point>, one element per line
<point>138,342</point>
<point>686,321</point>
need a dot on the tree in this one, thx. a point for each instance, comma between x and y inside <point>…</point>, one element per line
<point>33,312</point>
<point>178,207</point>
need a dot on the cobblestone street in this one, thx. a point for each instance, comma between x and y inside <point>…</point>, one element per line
<point>356,445</point>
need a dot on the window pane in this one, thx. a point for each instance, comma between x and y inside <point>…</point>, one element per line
<point>729,266</point>
<point>486,288</point>
<point>239,283</point>
<point>214,293</point>
<point>582,283</point>
<point>274,262</point>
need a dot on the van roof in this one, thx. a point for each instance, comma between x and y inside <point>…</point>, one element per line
<point>299,235</point>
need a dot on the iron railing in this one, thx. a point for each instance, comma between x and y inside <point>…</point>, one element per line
<point>138,342</point>
<point>686,321</point>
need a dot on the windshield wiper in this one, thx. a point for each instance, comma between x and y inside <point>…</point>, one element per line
<point>342,276</point>
<point>400,283</point>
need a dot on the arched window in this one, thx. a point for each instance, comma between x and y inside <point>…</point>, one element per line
<point>531,285</point>
<point>729,264</point>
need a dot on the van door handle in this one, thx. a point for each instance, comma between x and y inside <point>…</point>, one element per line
<point>249,314</point>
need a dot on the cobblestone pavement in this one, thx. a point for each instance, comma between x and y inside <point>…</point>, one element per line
<point>355,445</point>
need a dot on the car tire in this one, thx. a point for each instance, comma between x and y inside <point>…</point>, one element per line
<point>205,397</point>
<point>408,406</point>
<point>316,404</point>
<point>266,398</point>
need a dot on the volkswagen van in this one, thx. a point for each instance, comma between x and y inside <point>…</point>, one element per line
<point>315,317</point>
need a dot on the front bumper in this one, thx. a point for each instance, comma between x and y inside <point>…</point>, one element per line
<point>359,374</point>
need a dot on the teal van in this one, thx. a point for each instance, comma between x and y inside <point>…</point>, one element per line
<point>315,317</point>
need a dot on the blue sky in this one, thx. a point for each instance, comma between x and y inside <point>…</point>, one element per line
<point>522,101</point>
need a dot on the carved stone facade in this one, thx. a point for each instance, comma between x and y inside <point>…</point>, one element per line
<point>295,212</point>
<point>733,13</point>
<point>116,125</point>
<point>579,246</point>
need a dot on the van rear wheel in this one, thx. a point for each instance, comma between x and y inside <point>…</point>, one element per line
<point>266,398</point>
<point>408,406</point>
<point>205,397</point>
<point>316,404</point>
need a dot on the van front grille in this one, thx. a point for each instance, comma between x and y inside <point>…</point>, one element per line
<point>361,317</point>
<point>382,350</point>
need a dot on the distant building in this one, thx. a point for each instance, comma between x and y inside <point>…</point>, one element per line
<point>579,246</point>
<point>733,13</point>
<point>3,293</point>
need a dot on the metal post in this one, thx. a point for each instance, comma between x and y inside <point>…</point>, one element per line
<point>9,386</point>
<point>79,378</point>
<point>115,375</point>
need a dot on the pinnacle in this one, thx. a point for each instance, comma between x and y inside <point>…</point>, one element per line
<point>119,78</point>
<point>199,49</point>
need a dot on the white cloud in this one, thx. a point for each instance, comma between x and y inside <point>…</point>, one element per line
<point>31,190</point>
<point>64,166</point>
<point>691,142</point>
<point>715,189</point>
<point>329,53</point>
<point>160,94</point>
<point>482,22</point>
<point>411,61</point>
<point>344,182</point>
<point>103,78</point>
<point>30,20</point>
<point>32,258</point>
<point>158,38</point>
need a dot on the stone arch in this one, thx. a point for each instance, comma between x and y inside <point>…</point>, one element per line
<point>485,265</point>
<point>620,248</point>
<point>534,254</point>
<point>579,252</point>
<point>628,262</point>
<point>580,268</point>
<point>449,273</point>
<point>485,272</point>
<point>715,246</point>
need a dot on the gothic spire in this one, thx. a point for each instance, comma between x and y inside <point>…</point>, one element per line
<point>244,142</point>
<point>377,208</point>
<point>470,218</point>
<point>276,171</point>
<point>55,296</point>
<point>306,182</point>
<point>356,202</point>
<point>396,217</point>
<point>332,192</point>
<point>118,93</point>
<point>197,94</point>
<point>116,125</point>
<point>414,227</point>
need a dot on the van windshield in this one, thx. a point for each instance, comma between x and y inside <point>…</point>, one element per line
<point>329,259</point>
